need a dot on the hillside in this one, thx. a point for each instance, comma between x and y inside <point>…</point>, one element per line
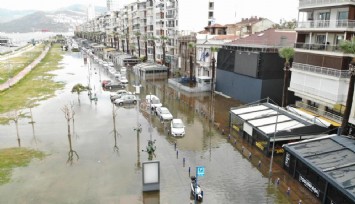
<point>61,20</point>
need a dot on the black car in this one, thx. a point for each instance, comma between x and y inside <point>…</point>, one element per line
<point>115,85</point>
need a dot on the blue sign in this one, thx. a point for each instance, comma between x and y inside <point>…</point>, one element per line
<point>200,171</point>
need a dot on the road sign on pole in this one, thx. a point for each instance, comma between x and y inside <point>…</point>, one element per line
<point>200,171</point>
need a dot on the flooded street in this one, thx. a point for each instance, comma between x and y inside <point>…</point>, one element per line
<point>107,169</point>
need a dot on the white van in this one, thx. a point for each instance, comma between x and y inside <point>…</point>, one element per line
<point>152,102</point>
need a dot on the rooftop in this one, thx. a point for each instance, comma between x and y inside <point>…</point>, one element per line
<point>270,38</point>
<point>333,157</point>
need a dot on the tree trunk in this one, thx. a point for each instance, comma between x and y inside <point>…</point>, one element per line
<point>349,101</point>
<point>146,49</point>
<point>139,47</point>
<point>127,48</point>
<point>163,61</point>
<point>123,46</point>
<point>285,86</point>
<point>154,51</point>
<point>191,69</point>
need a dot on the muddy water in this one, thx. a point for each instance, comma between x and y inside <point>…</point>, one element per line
<point>107,169</point>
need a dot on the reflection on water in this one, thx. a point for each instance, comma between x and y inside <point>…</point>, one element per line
<point>102,177</point>
<point>151,197</point>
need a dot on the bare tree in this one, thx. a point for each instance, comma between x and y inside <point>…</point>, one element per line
<point>15,116</point>
<point>69,115</point>
<point>114,131</point>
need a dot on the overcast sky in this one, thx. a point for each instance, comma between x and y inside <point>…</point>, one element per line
<point>234,9</point>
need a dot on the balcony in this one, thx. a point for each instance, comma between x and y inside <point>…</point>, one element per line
<point>318,47</point>
<point>331,116</point>
<point>322,3</point>
<point>170,16</point>
<point>321,70</point>
<point>337,25</point>
<point>317,94</point>
<point>171,6</point>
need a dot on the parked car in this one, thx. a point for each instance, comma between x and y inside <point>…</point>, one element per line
<point>163,113</point>
<point>177,127</point>
<point>124,80</point>
<point>119,94</point>
<point>126,99</point>
<point>152,102</point>
<point>104,82</point>
<point>114,85</point>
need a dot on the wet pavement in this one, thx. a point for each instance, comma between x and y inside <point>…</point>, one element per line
<point>107,168</point>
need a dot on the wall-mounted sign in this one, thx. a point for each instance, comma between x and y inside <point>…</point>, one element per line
<point>309,185</point>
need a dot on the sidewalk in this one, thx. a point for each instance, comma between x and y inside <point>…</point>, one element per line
<point>25,71</point>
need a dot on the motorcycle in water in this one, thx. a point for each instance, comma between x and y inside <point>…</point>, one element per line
<point>196,190</point>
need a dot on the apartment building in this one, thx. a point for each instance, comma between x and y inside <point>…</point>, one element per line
<point>151,27</point>
<point>320,70</point>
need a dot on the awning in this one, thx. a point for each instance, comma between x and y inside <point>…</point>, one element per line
<point>109,49</point>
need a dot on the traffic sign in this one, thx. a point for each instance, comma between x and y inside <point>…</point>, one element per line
<point>200,171</point>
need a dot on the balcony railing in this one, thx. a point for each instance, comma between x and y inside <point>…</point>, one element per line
<point>170,16</point>
<point>335,97</point>
<point>327,24</point>
<point>305,3</point>
<point>321,70</point>
<point>315,46</point>
<point>331,116</point>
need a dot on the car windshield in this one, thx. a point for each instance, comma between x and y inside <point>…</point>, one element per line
<point>178,125</point>
<point>165,111</point>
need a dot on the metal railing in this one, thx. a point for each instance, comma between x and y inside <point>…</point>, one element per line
<point>309,90</point>
<point>326,24</point>
<point>321,70</point>
<point>315,46</point>
<point>315,110</point>
<point>304,3</point>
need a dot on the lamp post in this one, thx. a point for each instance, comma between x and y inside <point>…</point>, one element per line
<point>273,144</point>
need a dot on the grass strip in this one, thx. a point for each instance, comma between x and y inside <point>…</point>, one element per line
<point>11,158</point>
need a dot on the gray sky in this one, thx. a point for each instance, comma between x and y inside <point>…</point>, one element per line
<point>234,9</point>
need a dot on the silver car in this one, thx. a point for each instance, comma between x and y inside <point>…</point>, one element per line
<point>126,99</point>
<point>163,113</point>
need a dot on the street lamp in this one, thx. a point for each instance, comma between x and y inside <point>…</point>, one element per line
<point>273,144</point>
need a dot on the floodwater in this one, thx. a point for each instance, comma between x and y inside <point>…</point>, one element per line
<point>105,168</point>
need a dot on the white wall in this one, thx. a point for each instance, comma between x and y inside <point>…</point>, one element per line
<point>325,89</point>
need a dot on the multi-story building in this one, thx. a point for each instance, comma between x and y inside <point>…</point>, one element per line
<point>151,27</point>
<point>112,5</point>
<point>320,74</point>
<point>248,26</point>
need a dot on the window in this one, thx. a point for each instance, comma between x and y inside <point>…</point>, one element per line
<point>342,19</point>
<point>343,15</point>
<point>320,39</point>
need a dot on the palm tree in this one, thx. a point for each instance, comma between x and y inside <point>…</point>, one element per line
<point>191,47</point>
<point>286,53</point>
<point>152,40</point>
<point>127,42</point>
<point>348,47</point>
<point>145,38</point>
<point>78,88</point>
<point>138,35</point>
<point>122,37</point>
<point>163,39</point>
<point>213,61</point>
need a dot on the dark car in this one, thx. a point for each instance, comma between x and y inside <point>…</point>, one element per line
<point>114,85</point>
<point>104,82</point>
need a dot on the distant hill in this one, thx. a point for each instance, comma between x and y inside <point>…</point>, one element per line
<point>9,15</point>
<point>61,20</point>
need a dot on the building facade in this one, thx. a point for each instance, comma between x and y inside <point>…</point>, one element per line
<point>149,28</point>
<point>250,69</point>
<point>320,75</point>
